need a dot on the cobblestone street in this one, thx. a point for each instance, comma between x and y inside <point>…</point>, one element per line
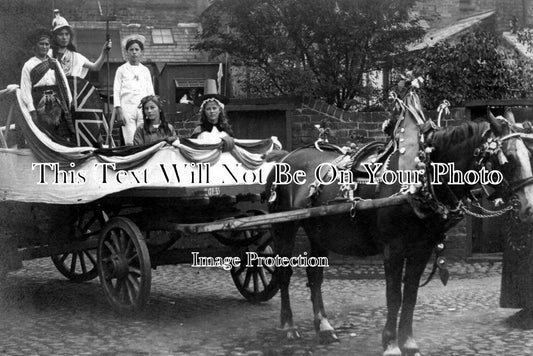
<point>199,312</point>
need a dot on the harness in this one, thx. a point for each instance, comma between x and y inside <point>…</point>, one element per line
<point>424,200</point>
<point>490,149</point>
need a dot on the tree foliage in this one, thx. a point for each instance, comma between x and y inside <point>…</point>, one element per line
<point>321,48</point>
<point>476,67</point>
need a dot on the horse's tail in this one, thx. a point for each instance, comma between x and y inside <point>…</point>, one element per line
<point>275,156</point>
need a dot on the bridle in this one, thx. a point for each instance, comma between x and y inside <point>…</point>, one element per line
<point>490,149</point>
<point>514,186</point>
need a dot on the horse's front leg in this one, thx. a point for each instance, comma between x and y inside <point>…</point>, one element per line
<point>414,268</point>
<point>284,237</point>
<point>315,277</point>
<point>393,263</point>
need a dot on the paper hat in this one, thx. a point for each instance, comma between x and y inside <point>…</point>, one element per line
<point>134,37</point>
<point>58,23</point>
<point>210,92</point>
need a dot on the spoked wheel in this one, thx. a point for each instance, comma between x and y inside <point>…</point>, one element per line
<point>256,282</point>
<point>80,266</point>
<point>124,265</point>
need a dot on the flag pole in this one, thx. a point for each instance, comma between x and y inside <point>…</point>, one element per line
<point>108,98</point>
<point>107,37</point>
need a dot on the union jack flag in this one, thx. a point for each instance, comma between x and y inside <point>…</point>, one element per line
<point>89,119</point>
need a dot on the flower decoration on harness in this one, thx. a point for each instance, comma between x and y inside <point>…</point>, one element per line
<point>323,133</point>
<point>491,148</point>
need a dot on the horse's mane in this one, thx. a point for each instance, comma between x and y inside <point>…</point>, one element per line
<point>459,139</point>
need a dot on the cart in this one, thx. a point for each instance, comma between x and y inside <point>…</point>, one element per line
<point>120,213</point>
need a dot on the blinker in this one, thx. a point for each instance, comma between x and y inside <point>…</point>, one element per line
<point>501,158</point>
<point>273,195</point>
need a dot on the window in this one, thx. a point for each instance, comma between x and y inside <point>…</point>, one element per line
<point>188,89</point>
<point>162,36</point>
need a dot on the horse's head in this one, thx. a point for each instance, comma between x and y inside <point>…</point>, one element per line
<point>514,162</point>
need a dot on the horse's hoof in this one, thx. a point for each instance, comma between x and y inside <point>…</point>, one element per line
<point>293,334</point>
<point>327,337</point>
<point>411,353</point>
<point>392,350</point>
<point>410,348</point>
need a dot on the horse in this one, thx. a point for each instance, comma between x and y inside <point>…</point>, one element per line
<point>405,234</point>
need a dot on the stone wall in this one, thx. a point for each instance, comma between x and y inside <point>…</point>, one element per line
<point>348,126</point>
<point>521,9</point>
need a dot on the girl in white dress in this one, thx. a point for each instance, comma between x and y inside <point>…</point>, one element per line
<point>214,123</point>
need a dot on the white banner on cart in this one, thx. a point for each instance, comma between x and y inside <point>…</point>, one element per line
<point>24,179</point>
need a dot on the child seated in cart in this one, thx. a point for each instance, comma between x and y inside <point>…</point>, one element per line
<point>214,123</point>
<point>155,127</point>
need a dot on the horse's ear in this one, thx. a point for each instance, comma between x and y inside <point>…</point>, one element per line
<point>509,116</point>
<point>495,125</point>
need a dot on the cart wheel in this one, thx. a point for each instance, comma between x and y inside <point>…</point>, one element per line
<point>80,266</point>
<point>124,265</point>
<point>256,283</point>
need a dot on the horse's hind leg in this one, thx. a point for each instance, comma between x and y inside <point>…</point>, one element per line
<point>414,268</point>
<point>284,237</point>
<point>315,277</point>
<point>393,264</point>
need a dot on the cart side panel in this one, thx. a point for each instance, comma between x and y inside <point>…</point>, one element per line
<point>31,224</point>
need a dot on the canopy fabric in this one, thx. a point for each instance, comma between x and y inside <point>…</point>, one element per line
<point>52,173</point>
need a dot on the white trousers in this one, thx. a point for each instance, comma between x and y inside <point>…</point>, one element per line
<point>133,118</point>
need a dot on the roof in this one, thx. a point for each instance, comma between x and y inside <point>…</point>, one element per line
<point>435,36</point>
<point>512,39</point>
<point>184,35</point>
<point>91,41</point>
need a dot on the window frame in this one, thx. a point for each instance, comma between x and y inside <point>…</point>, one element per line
<point>157,33</point>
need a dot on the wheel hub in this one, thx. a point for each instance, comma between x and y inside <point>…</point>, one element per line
<point>117,266</point>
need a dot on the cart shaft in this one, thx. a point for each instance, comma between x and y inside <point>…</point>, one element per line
<point>260,221</point>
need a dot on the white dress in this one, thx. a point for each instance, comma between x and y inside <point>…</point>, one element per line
<point>213,136</point>
<point>73,64</point>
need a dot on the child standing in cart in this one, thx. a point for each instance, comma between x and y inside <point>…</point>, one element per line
<point>74,63</point>
<point>45,91</point>
<point>133,82</point>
